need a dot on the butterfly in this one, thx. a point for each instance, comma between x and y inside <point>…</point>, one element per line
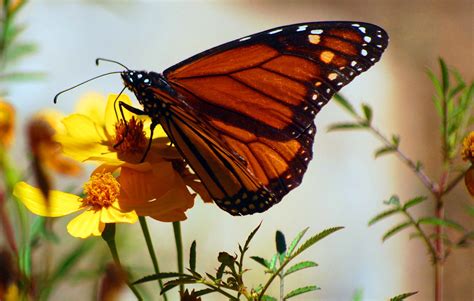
<point>242,114</point>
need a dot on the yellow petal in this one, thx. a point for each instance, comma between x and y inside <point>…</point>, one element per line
<point>82,151</point>
<point>114,214</point>
<point>92,105</point>
<point>86,224</point>
<point>59,203</point>
<point>84,129</point>
<point>110,116</point>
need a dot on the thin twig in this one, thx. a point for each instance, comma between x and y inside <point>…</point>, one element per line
<point>217,289</point>
<point>427,241</point>
<point>454,182</point>
<point>416,169</point>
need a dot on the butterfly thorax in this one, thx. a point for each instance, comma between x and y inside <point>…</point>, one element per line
<point>142,84</point>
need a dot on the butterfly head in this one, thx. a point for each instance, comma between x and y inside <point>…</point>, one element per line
<point>140,82</point>
<point>136,81</point>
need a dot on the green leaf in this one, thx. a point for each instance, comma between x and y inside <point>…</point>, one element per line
<point>465,239</point>
<point>396,140</point>
<point>367,113</point>
<point>19,51</point>
<point>174,283</point>
<point>250,237</point>
<point>22,76</point>
<point>346,126</point>
<point>341,100</point>
<point>295,242</point>
<point>431,220</point>
<point>273,262</point>
<point>435,82</point>
<point>383,215</point>
<point>300,266</point>
<point>203,292</point>
<point>418,165</point>
<point>396,229</point>
<point>444,76</point>
<point>192,256</point>
<point>414,202</point>
<point>301,290</point>
<point>262,261</point>
<point>268,298</point>
<point>315,239</point>
<point>160,276</point>
<point>456,90</point>
<point>403,296</point>
<point>393,200</point>
<point>384,151</point>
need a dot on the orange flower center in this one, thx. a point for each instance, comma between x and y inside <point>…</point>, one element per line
<point>467,151</point>
<point>101,191</point>
<point>131,140</point>
<point>7,122</point>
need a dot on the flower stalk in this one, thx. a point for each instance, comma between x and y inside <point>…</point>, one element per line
<point>151,251</point>
<point>179,250</point>
<point>108,235</point>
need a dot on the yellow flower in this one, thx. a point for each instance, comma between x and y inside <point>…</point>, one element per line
<point>467,152</point>
<point>159,192</point>
<point>41,130</point>
<point>88,138</point>
<point>7,123</point>
<point>100,205</point>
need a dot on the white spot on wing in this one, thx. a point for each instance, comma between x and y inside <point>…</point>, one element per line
<point>367,39</point>
<point>362,29</point>
<point>363,52</point>
<point>356,25</point>
<point>317,31</point>
<point>275,31</point>
<point>302,28</point>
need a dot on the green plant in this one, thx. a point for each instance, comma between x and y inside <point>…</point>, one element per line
<point>228,279</point>
<point>453,100</point>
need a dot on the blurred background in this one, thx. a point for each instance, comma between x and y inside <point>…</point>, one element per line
<point>344,185</point>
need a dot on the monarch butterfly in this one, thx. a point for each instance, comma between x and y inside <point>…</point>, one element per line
<point>242,114</point>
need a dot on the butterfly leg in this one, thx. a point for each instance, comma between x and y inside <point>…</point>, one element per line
<point>152,129</point>
<point>131,109</point>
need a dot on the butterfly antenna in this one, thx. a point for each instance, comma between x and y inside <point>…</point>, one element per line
<point>97,60</point>
<point>90,79</point>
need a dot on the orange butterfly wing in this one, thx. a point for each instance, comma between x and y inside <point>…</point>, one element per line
<point>260,94</point>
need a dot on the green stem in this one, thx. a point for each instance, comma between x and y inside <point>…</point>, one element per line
<point>109,236</point>
<point>282,285</point>
<point>179,250</point>
<point>429,245</point>
<point>274,275</point>
<point>217,289</point>
<point>412,165</point>
<point>151,251</point>
<point>454,182</point>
